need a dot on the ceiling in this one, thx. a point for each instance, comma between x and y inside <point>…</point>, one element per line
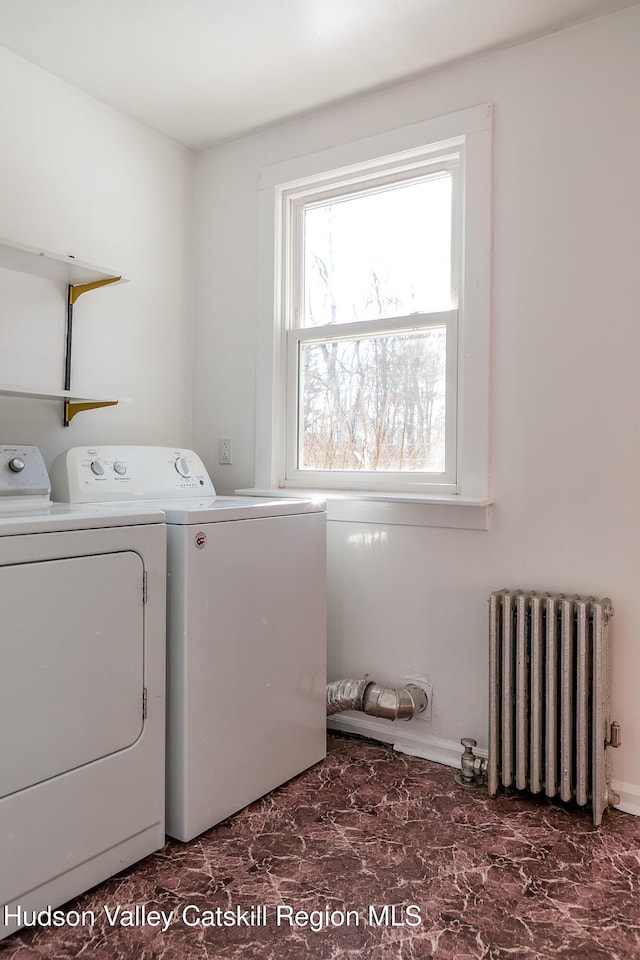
<point>206,71</point>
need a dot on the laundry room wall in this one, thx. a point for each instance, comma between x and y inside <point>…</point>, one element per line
<point>80,178</point>
<point>565,386</point>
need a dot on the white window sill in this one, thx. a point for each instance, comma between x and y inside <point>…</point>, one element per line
<point>407,509</point>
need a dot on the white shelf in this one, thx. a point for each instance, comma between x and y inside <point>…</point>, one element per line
<point>80,278</point>
<point>52,266</point>
<point>8,390</point>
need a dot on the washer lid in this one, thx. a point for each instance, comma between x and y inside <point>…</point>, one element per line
<point>213,509</point>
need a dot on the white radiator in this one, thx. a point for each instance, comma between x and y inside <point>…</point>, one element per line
<point>549,691</point>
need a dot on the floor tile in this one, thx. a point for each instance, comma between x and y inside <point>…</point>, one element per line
<point>380,855</point>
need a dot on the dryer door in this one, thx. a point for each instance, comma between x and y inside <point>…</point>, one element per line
<point>72,664</point>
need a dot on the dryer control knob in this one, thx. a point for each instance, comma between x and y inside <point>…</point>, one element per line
<point>16,464</point>
<point>97,468</point>
<point>120,467</point>
<point>183,467</point>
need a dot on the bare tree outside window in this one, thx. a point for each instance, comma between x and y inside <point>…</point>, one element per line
<point>376,401</point>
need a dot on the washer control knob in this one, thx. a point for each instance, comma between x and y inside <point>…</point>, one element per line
<point>97,468</point>
<point>120,467</point>
<point>16,464</point>
<point>183,467</point>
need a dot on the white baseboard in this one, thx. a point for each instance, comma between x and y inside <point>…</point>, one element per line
<point>629,797</point>
<point>448,752</point>
<point>404,737</point>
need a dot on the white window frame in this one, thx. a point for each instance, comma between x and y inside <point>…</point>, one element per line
<point>467,133</point>
<point>417,165</point>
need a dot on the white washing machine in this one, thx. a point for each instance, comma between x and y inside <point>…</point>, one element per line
<point>82,689</point>
<point>246,627</point>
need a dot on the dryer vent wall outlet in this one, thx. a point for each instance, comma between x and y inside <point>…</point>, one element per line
<point>427,686</point>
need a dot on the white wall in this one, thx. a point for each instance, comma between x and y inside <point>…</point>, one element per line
<point>79,178</point>
<point>566,390</point>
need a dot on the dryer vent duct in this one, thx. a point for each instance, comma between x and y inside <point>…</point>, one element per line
<point>399,703</point>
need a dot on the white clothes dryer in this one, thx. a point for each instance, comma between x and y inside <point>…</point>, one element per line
<point>246,627</point>
<point>82,690</point>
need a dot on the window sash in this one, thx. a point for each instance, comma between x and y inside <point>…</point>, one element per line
<point>296,202</point>
<point>445,481</point>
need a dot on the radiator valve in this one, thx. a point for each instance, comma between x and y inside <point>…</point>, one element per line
<point>472,767</point>
<point>615,739</point>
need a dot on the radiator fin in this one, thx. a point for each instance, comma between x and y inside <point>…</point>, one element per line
<point>549,696</point>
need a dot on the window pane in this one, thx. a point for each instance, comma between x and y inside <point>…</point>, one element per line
<point>377,403</point>
<point>382,254</point>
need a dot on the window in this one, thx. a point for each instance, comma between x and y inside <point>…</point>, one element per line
<point>381,293</point>
<point>371,321</point>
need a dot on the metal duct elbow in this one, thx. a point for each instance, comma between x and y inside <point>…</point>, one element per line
<point>399,703</point>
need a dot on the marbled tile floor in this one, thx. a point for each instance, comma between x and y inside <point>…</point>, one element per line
<point>463,877</point>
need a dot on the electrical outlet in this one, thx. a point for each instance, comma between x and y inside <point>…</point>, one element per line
<point>224,450</point>
<point>427,686</point>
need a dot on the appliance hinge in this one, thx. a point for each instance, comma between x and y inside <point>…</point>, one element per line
<point>144,703</point>
<point>144,587</point>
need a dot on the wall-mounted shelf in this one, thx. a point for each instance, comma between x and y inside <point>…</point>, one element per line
<point>74,403</point>
<point>51,266</point>
<point>80,278</point>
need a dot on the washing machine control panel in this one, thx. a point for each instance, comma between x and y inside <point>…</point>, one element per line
<point>22,472</point>
<point>101,474</point>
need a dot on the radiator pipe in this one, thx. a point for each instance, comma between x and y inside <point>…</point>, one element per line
<point>366,696</point>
